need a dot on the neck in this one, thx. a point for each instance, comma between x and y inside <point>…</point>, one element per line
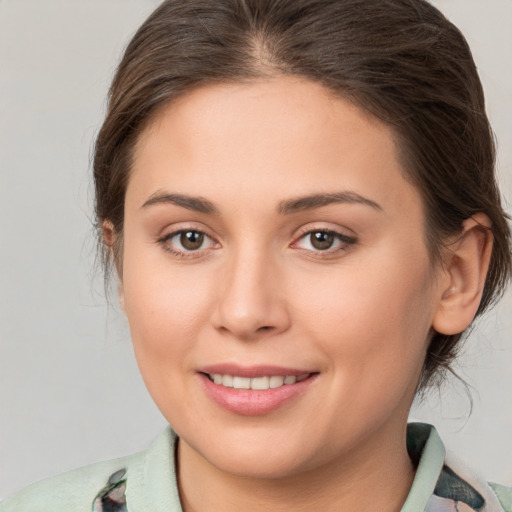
<point>379,471</point>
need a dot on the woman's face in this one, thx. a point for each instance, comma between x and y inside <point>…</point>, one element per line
<point>272,242</point>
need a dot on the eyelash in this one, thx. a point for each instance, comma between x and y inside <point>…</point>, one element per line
<point>184,254</point>
<point>344,241</point>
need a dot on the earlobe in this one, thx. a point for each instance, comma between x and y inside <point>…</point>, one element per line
<point>465,270</point>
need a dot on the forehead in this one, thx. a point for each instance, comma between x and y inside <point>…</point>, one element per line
<point>280,114</point>
<point>267,139</point>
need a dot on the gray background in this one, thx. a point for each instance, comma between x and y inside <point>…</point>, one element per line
<point>70,393</point>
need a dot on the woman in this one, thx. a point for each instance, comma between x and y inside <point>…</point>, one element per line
<point>298,199</point>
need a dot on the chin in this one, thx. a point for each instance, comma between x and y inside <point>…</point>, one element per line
<point>261,465</point>
<point>255,456</point>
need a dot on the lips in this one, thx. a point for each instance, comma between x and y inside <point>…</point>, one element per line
<point>256,390</point>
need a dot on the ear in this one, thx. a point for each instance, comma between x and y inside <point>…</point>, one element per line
<point>109,234</point>
<point>465,270</point>
<point>109,238</point>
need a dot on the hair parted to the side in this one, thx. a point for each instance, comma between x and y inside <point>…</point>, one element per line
<point>400,60</point>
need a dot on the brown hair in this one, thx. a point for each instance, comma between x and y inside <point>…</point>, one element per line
<point>401,60</point>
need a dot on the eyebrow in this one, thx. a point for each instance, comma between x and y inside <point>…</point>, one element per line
<point>319,200</point>
<point>202,205</point>
<point>198,204</point>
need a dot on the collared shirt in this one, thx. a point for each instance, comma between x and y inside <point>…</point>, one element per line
<point>147,482</point>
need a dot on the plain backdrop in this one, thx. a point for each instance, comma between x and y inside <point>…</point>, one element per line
<point>70,392</point>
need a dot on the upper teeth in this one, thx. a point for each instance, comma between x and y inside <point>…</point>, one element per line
<point>259,383</point>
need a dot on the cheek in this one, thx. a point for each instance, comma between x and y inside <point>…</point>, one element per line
<point>166,308</point>
<point>165,315</point>
<point>371,317</point>
<point>162,317</point>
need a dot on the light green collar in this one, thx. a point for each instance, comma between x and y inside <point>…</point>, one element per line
<point>431,460</point>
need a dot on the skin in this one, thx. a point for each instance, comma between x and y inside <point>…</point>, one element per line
<point>258,292</point>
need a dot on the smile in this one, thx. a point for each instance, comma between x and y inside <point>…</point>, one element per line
<point>256,383</point>
<point>255,390</point>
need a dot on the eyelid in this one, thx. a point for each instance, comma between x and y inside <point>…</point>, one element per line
<point>345,239</point>
<point>181,226</point>
<point>342,232</point>
<point>312,227</point>
<point>168,234</point>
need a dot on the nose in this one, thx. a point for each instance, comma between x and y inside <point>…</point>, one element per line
<point>252,298</point>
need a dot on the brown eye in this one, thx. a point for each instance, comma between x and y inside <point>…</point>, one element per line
<point>322,240</point>
<point>328,241</point>
<point>188,243</point>
<point>191,240</point>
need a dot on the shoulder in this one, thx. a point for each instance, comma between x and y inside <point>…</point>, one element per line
<point>468,486</point>
<point>75,490</point>
<point>444,483</point>
<point>146,481</point>
<point>504,495</point>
